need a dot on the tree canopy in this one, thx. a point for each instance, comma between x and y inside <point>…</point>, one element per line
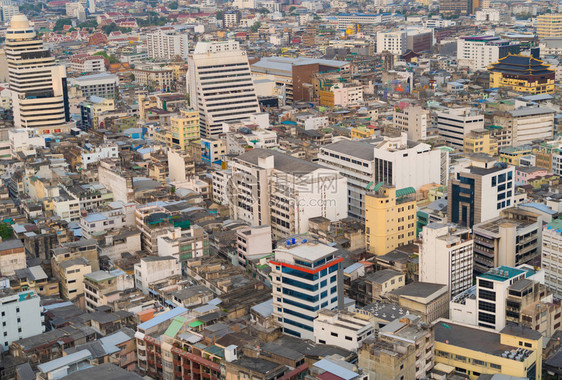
<point>61,22</point>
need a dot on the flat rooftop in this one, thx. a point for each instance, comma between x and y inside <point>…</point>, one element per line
<point>310,251</point>
<point>470,338</point>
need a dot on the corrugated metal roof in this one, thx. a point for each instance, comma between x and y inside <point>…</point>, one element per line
<point>405,191</point>
<point>162,318</point>
<point>335,369</point>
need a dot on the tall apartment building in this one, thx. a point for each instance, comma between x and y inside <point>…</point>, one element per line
<point>481,192</point>
<point>552,256</point>
<point>7,11</point>
<point>478,52</point>
<point>393,42</point>
<point>455,123</point>
<point>184,244</point>
<point>38,85</point>
<point>21,316</point>
<point>390,218</point>
<point>305,277</point>
<point>268,187</point>
<point>394,160</point>
<point>411,119</point>
<point>549,25</point>
<point>512,239</point>
<point>446,257</point>
<point>220,85</point>
<point>527,124</point>
<point>167,44</point>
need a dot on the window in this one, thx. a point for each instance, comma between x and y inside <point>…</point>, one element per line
<point>348,338</point>
<point>334,334</point>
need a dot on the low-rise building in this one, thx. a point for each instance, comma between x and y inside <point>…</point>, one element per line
<point>153,269</point>
<point>101,287</point>
<point>474,351</point>
<point>342,328</point>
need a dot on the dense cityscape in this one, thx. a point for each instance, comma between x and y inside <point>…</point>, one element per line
<point>280,189</point>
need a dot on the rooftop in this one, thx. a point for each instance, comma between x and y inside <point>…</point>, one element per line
<point>309,251</point>
<point>502,273</point>
<point>471,338</point>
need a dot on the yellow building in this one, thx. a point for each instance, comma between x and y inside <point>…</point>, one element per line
<point>362,132</point>
<point>513,351</point>
<point>512,155</point>
<point>549,25</point>
<point>480,141</point>
<point>390,218</point>
<point>523,74</point>
<point>182,130</point>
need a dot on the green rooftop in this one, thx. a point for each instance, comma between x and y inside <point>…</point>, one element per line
<point>195,323</point>
<point>175,327</point>
<point>502,273</point>
<point>405,191</point>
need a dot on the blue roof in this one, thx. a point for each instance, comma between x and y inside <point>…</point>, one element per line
<point>57,305</point>
<point>335,369</point>
<point>162,318</point>
<point>352,268</point>
<point>90,218</point>
<point>540,206</point>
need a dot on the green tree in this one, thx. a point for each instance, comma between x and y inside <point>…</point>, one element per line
<point>61,22</point>
<point>173,5</point>
<point>92,23</point>
<point>6,231</point>
<point>254,28</point>
<point>111,58</point>
<point>219,15</point>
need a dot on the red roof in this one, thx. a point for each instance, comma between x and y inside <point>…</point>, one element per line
<point>329,376</point>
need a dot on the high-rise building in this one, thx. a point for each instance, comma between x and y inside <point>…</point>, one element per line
<point>549,25</point>
<point>40,98</point>
<point>268,187</point>
<point>411,119</point>
<point>527,124</point>
<point>220,85</point>
<point>454,124</point>
<point>506,296</point>
<point>393,42</point>
<point>390,218</point>
<point>478,52</point>
<point>481,192</point>
<point>167,44</point>
<point>511,239</point>
<point>552,255</point>
<point>21,316</point>
<point>305,278</point>
<point>392,159</point>
<point>446,257</point>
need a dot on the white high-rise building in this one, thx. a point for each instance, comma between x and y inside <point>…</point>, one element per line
<point>21,316</point>
<point>455,123</point>
<point>268,187</point>
<point>552,256</point>
<point>411,119</point>
<point>220,85</point>
<point>393,42</point>
<point>305,278</point>
<point>166,44</point>
<point>477,53</point>
<point>8,11</point>
<point>38,85</point>
<point>446,256</point>
<point>392,159</point>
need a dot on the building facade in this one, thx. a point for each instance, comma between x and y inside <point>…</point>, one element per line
<point>305,278</point>
<point>213,89</point>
